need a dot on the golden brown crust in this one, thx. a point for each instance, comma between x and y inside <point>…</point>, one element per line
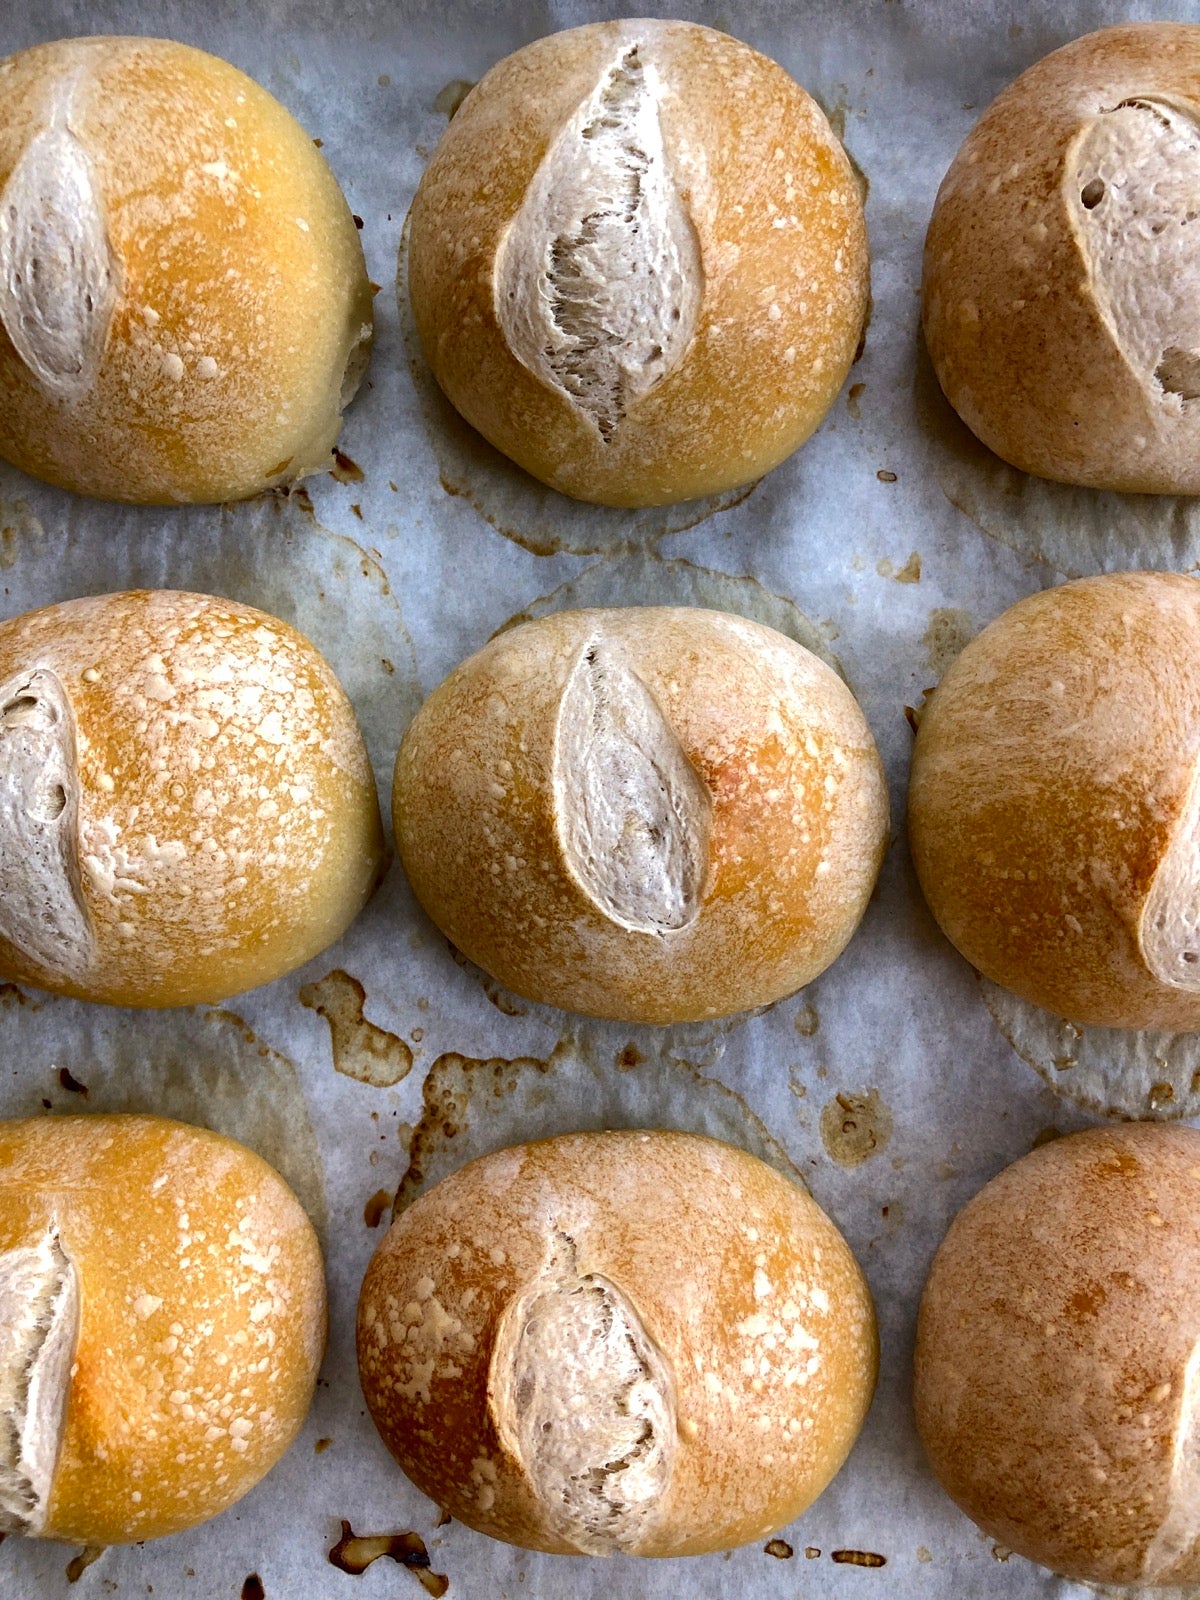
<point>242,293</point>
<point>798,815</point>
<point>783,246</point>
<point>228,827</point>
<point>748,1291</point>
<point>1015,322</point>
<point>1055,1347</point>
<point>1053,770</point>
<point>202,1325</point>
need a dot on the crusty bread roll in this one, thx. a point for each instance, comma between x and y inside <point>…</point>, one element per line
<point>184,306</point>
<point>641,1342</point>
<point>186,805</point>
<point>1058,1347</point>
<point>657,814</point>
<point>639,262</point>
<point>1062,265</point>
<point>1054,808</point>
<point>162,1320</point>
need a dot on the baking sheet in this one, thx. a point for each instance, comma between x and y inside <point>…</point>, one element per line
<point>890,1085</point>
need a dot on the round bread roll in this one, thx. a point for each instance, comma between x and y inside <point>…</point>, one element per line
<point>184,306</point>
<point>638,262</point>
<point>1062,267</point>
<point>641,1342</point>
<point>1054,809</point>
<point>1058,1346</point>
<point>186,805</point>
<point>655,814</point>
<point>162,1320</point>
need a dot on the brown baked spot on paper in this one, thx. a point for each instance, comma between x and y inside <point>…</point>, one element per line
<point>855,1127</point>
<point>354,1553</point>
<point>361,1049</point>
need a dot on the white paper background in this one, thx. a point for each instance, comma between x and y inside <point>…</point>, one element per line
<point>432,568</point>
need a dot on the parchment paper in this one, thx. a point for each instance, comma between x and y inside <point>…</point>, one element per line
<point>886,543</point>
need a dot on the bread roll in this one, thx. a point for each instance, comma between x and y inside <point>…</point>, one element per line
<point>639,262</point>
<point>1057,1354</point>
<point>186,805</point>
<point>657,814</point>
<point>184,307</point>
<point>162,1320</point>
<point>641,1342</point>
<point>1062,265</point>
<point>1054,810</point>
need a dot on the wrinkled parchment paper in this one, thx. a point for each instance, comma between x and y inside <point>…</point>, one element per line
<point>895,1085</point>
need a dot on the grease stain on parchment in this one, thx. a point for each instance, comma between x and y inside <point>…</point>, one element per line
<point>516,505</point>
<point>472,1106</point>
<point>361,1049</point>
<point>451,96</point>
<point>658,580</point>
<point>948,633</point>
<point>1133,1074</point>
<point>355,1552</point>
<point>198,1064</point>
<point>855,1127</point>
<point>910,572</point>
<point>1076,532</point>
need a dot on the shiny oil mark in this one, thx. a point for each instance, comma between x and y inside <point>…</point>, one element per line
<point>377,1207</point>
<point>361,1049</point>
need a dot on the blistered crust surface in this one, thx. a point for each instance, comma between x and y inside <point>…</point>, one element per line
<point>686,825</point>
<point>729,1292</point>
<point>752,209</point>
<point>181,282</point>
<point>220,792</point>
<point>200,1330</point>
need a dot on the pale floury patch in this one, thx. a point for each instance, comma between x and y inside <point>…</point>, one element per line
<point>42,913</point>
<point>631,812</point>
<point>598,278</point>
<point>39,1328</point>
<point>583,1400</point>
<point>1133,194</point>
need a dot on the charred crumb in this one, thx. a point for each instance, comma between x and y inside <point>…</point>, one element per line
<point>68,1081</point>
<point>858,1558</point>
<point>379,1203</point>
<point>253,1589</point>
<point>345,469</point>
<point>779,1548</point>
